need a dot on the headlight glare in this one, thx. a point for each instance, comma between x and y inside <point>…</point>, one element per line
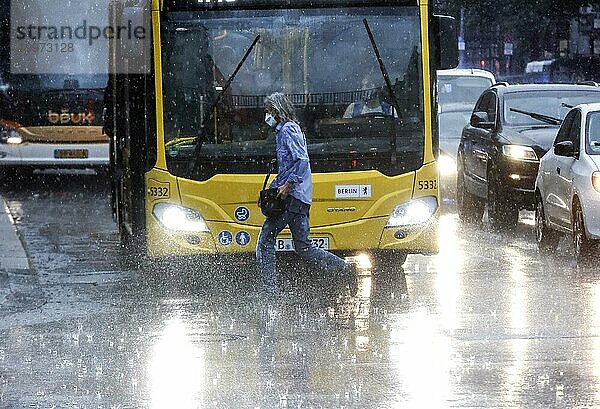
<point>179,218</point>
<point>446,165</point>
<point>596,181</point>
<point>519,152</point>
<point>414,212</point>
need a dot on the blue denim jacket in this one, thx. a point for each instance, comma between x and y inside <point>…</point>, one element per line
<point>292,161</point>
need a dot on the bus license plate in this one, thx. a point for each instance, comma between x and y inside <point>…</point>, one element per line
<point>288,244</point>
<point>70,153</point>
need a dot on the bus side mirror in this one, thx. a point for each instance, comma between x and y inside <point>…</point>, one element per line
<point>134,39</point>
<point>445,36</point>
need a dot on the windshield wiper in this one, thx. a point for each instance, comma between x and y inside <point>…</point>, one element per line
<point>388,85</point>
<point>203,136</point>
<point>540,117</point>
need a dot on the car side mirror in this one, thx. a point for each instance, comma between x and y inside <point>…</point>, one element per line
<point>481,120</point>
<point>565,148</point>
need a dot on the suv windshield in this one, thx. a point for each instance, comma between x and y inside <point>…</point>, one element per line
<point>323,59</point>
<point>593,134</point>
<point>554,103</point>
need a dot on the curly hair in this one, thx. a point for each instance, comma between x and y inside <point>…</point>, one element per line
<point>282,105</point>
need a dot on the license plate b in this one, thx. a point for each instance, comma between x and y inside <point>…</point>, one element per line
<point>70,153</point>
<point>285,244</point>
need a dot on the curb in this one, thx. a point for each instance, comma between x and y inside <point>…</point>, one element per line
<point>12,254</point>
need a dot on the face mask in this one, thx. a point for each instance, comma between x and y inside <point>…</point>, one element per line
<point>270,120</point>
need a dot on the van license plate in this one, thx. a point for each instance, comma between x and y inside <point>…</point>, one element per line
<point>288,244</point>
<point>70,153</point>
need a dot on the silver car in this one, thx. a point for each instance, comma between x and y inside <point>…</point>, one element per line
<point>568,184</point>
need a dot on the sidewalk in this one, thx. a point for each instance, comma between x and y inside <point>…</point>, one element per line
<point>19,288</point>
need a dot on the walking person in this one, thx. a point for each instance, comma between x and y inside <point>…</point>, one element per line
<point>294,184</point>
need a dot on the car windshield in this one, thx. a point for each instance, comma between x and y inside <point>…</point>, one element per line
<point>344,109</point>
<point>553,103</point>
<point>461,89</point>
<point>593,133</point>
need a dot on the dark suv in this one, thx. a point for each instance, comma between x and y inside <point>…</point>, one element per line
<point>511,128</point>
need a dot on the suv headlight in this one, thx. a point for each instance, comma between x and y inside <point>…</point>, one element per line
<point>413,212</point>
<point>8,134</point>
<point>179,218</point>
<point>519,152</point>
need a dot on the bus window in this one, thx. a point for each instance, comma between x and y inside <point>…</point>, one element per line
<point>297,52</point>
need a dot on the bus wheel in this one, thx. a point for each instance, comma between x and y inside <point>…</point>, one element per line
<point>388,263</point>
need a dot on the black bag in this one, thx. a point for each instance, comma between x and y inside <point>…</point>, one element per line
<point>270,204</point>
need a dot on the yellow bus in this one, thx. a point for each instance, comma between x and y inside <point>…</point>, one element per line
<point>190,149</point>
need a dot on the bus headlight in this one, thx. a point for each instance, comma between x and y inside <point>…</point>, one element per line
<point>413,212</point>
<point>179,218</point>
<point>9,135</point>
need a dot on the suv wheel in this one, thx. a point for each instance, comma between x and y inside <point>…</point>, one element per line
<point>547,239</point>
<point>470,207</point>
<point>583,246</point>
<point>501,213</point>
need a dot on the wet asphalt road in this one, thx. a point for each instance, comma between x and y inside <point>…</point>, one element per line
<point>486,323</point>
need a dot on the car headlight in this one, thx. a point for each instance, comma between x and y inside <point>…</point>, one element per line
<point>9,134</point>
<point>179,218</point>
<point>519,152</point>
<point>446,165</point>
<point>413,212</point>
<point>596,181</point>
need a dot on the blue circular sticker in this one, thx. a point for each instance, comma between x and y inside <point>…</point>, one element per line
<point>242,238</point>
<point>242,213</point>
<point>225,238</point>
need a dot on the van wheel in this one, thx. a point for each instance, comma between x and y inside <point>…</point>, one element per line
<point>547,239</point>
<point>583,246</point>
<point>470,207</point>
<point>502,214</point>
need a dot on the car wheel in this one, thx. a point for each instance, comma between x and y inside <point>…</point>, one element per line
<point>547,239</point>
<point>470,208</point>
<point>582,245</point>
<point>501,213</point>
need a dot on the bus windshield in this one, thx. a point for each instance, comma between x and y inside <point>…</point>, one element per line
<point>322,59</point>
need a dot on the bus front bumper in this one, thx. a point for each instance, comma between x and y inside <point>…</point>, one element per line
<point>359,236</point>
<point>54,155</point>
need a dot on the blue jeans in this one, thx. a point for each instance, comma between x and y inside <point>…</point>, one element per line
<point>296,217</point>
